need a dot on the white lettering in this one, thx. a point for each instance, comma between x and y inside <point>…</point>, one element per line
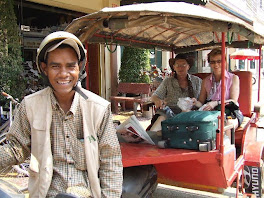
<point>255,170</point>
<point>255,181</point>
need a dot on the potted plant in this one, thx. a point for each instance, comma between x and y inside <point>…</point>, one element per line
<point>134,67</point>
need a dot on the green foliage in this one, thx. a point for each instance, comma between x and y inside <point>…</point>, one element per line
<point>11,68</point>
<point>134,65</point>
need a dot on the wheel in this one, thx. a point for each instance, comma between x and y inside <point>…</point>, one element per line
<point>139,181</point>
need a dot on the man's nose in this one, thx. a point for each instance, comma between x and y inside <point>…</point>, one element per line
<point>64,71</point>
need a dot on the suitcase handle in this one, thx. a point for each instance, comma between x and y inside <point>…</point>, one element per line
<point>192,128</point>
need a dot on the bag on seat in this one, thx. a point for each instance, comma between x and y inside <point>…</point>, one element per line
<point>191,130</point>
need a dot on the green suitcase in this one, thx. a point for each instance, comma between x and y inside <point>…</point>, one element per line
<point>191,130</point>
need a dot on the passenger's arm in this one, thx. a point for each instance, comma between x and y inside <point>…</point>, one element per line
<point>234,90</point>
<point>158,102</point>
<point>202,96</point>
<point>159,95</point>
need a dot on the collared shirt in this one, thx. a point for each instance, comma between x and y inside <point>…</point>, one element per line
<point>213,88</point>
<point>67,146</point>
<point>69,172</point>
<point>170,90</point>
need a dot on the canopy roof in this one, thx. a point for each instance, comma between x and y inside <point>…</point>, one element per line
<point>166,25</point>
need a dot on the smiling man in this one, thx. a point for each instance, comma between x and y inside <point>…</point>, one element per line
<point>67,130</point>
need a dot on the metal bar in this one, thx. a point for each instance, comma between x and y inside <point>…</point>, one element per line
<point>222,99</point>
<point>259,73</point>
<point>218,133</point>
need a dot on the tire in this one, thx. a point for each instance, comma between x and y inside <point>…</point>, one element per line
<point>139,181</point>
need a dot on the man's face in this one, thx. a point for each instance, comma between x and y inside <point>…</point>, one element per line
<point>181,67</point>
<point>62,70</point>
<point>215,63</point>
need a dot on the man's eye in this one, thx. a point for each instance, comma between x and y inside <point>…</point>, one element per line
<point>72,66</point>
<point>54,66</point>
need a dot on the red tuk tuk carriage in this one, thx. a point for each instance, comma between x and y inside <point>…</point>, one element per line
<point>182,27</point>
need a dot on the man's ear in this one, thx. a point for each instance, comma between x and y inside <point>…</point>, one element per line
<point>43,67</point>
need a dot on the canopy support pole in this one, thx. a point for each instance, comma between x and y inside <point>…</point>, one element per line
<point>223,69</point>
<point>259,73</point>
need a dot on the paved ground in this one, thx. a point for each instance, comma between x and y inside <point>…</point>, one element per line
<point>172,192</point>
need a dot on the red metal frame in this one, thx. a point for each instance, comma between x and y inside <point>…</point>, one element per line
<point>199,170</point>
<point>222,99</point>
<point>259,73</point>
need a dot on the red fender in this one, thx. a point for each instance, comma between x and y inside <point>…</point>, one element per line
<point>253,154</point>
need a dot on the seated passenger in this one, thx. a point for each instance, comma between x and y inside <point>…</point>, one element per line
<point>180,85</point>
<point>210,94</point>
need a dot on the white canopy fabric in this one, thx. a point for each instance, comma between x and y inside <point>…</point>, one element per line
<point>245,54</point>
<point>165,25</point>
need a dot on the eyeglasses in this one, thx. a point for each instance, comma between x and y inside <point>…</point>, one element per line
<point>182,65</point>
<point>214,62</point>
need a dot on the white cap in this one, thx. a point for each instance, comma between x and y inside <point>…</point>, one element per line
<point>67,41</point>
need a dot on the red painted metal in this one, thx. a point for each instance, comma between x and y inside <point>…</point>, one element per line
<point>238,167</point>
<point>222,98</point>
<point>143,154</point>
<point>253,154</point>
<point>181,165</point>
<point>259,73</point>
<point>217,141</point>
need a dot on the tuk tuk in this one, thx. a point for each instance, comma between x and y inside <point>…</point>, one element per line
<point>182,27</point>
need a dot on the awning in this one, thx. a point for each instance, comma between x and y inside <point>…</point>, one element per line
<point>245,54</point>
<point>165,25</point>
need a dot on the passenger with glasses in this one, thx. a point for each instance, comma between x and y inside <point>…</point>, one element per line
<point>180,85</point>
<point>210,96</point>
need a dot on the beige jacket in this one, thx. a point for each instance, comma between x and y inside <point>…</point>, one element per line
<point>39,112</point>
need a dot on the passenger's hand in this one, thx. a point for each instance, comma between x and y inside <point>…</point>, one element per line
<point>196,102</point>
<point>210,106</point>
<point>159,104</point>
